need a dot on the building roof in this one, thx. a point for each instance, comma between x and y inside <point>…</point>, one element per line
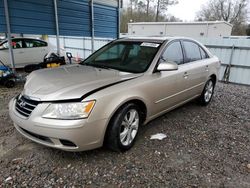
<point>182,23</point>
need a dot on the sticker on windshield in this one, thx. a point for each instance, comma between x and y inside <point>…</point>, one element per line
<point>148,44</point>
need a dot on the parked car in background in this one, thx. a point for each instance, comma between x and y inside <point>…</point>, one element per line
<point>2,39</point>
<point>110,95</point>
<point>26,51</point>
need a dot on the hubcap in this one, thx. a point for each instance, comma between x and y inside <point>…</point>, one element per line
<point>129,127</point>
<point>209,91</point>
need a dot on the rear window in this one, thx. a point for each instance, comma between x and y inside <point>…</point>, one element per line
<point>30,43</point>
<point>192,51</point>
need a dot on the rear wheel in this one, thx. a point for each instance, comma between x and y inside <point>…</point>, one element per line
<point>207,93</point>
<point>123,128</point>
<point>9,83</point>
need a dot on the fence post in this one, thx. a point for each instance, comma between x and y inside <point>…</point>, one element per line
<point>228,68</point>
<point>92,25</point>
<point>7,18</point>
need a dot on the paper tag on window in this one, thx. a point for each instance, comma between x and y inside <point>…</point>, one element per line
<point>148,44</point>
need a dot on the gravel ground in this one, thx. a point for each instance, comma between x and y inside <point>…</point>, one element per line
<point>205,147</point>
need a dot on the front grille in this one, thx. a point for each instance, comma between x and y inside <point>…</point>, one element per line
<point>25,106</point>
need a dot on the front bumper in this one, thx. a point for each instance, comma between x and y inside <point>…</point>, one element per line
<point>69,135</point>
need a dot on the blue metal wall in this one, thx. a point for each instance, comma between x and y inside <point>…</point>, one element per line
<point>106,21</point>
<point>37,17</point>
<point>2,20</point>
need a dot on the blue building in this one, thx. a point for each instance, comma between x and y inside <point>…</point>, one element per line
<point>60,18</point>
<point>74,17</point>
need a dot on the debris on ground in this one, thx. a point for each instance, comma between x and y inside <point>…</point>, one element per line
<point>158,136</point>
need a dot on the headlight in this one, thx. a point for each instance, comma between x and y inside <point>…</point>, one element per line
<point>76,110</point>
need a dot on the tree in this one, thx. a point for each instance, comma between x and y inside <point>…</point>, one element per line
<point>162,5</point>
<point>147,5</point>
<point>145,11</point>
<point>248,30</point>
<point>232,11</point>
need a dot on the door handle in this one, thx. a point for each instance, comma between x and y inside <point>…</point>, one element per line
<point>21,52</point>
<point>185,75</point>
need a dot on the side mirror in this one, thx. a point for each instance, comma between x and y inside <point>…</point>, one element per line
<point>167,66</point>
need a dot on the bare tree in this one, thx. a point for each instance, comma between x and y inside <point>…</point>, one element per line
<point>232,11</point>
<point>148,5</point>
<point>248,30</point>
<point>141,6</point>
<point>162,5</point>
<point>144,11</point>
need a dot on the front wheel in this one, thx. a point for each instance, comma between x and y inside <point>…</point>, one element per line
<point>207,93</point>
<point>123,128</point>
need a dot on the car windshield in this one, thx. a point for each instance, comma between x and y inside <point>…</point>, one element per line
<point>133,57</point>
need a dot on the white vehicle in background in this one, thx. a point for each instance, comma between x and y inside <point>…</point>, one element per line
<point>27,51</point>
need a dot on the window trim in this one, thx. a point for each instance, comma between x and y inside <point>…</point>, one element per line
<point>201,49</point>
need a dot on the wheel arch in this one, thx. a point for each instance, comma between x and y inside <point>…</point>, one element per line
<point>214,78</point>
<point>139,102</point>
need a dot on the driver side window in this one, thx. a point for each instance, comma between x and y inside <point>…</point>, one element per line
<point>173,53</point>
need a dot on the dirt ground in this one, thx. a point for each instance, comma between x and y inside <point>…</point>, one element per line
<point>205,147</point>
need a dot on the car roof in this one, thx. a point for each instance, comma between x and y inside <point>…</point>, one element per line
<point>27,38</point>
<point>157,39</point>
<point>14,38</point>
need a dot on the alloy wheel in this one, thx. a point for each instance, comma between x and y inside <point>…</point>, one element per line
<point>129,127</point>
<point>208,91</point>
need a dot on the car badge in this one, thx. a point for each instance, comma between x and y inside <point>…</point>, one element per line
<point>22,104</point>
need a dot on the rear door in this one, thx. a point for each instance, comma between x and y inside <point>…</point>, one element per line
<point>195,60</point>
<point>4,53</point>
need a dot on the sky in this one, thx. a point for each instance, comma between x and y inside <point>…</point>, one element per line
<point>185,9</point>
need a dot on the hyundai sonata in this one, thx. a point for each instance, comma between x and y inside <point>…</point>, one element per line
<point>110,95</point>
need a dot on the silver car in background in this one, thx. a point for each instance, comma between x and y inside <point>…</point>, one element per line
<point>109,96</point>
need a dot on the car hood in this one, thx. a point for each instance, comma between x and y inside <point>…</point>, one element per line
<point>70,82</point>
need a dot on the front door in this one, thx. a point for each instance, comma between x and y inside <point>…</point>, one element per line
<point>18,51</point>
<point>169,87</point>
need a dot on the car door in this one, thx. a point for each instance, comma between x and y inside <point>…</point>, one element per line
<point>197,72</point>
<point>170,86</point>
<point>4,53</point>
<point>35,50</point>
<point>18,52</point>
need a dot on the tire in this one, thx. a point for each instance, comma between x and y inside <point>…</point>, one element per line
<point>30,68</point>
<point>122,131</point>
<point>207,93</point>
<point>9,83</point>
